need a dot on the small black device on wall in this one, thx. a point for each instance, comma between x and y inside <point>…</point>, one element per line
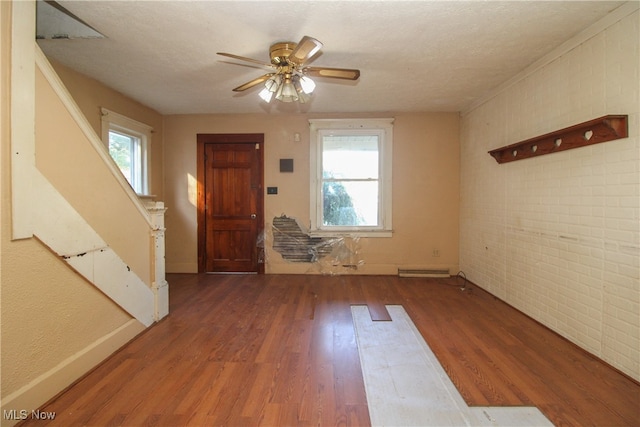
<point>286,165</point>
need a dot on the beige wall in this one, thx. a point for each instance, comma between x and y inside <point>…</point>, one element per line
<point>558,236</point>
<point>72,165</point>
<point>50,316</point>
<point>91,95</point>
<point>425,188</point>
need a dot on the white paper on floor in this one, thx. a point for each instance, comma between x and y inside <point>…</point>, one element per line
<point>407,386</point>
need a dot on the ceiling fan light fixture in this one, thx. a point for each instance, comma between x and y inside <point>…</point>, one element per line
<point>273,83</point>
<point>266,94</point>
<point>287,91</point>
<point>307,85</point>
<point>271,86</point>
<point>303,98</point>
<point>290,80</point>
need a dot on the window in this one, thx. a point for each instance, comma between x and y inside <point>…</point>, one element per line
<point>127,141</point>
<point>351,176</point>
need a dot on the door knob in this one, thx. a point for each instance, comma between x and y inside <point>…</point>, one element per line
<point>253,216</point>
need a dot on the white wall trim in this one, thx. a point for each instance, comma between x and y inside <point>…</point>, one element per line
<point>37,392</point>
<point>610,19</point>
<point>124,121</point>
<point>67,100</point>
<point>23,142</point>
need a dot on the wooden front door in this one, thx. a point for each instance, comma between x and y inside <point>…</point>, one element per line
<point>230,202</point>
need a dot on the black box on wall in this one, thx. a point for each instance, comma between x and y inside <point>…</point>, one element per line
<point>286,165</point>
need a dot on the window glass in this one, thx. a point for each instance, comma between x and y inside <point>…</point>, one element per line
<point>350,166</point>
<point>125,151</point>
<point>350,156</point>
<point>127,142</point>
<point>350,203</point>
<point>350,190</point>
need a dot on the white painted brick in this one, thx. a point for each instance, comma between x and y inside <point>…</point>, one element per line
<point>630,224</point>
<point>622,236</point>
<point>558,236</point>
<point>631,271</point>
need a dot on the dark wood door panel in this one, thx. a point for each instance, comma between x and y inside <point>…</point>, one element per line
<point>232,246</point>
<point>231,216</point>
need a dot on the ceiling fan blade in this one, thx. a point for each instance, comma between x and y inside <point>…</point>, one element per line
<point>242,58</point>
<point>304,50</point>
<point>334,73</point>
<point>253,82</point>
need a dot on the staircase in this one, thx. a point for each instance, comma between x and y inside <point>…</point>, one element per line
<point>135,283</point>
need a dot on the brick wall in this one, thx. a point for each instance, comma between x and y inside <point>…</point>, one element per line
<point>558,236</point>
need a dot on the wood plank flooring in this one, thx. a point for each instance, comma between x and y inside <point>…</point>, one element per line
<point>408,387</point>
<point>280,350</point>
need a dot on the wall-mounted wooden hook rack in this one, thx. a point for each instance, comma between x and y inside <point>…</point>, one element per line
<point>603,129</point>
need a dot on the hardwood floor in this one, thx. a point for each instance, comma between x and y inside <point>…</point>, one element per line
<point>247,350</point>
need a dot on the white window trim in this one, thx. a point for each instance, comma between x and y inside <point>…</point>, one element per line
<point>320,127</point>
<point>118,122</point>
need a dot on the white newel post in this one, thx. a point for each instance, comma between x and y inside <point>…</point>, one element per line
<point>160,286</point>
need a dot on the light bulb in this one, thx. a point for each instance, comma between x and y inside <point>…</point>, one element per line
<point>307,85</point>
<point>266,94</point>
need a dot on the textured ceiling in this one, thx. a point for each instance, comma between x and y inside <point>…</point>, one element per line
<point>413,55</point>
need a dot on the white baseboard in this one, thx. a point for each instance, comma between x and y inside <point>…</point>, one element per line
<point>46,386</point>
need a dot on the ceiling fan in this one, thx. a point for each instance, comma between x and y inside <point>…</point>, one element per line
<point>290,79</point>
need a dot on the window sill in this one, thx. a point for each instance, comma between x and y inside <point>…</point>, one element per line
<point>353,233</point>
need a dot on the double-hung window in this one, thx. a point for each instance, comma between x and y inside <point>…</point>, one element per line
<point>351,177</point>
<point>127,141</point>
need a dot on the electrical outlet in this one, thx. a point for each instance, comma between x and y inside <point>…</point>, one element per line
<point>436,253</point>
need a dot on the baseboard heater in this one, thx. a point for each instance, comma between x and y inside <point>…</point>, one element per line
<point>423,273</point>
